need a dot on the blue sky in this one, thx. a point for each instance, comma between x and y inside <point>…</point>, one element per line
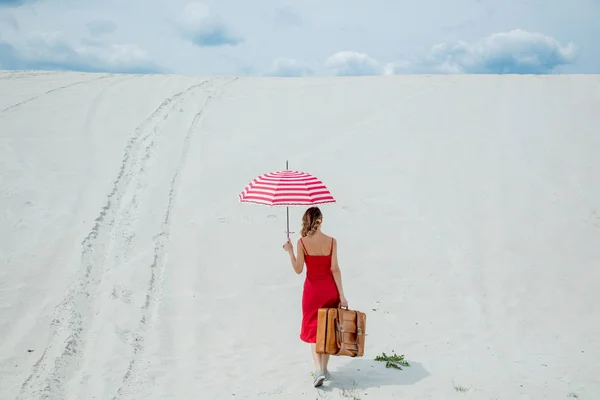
<point>301,38</point>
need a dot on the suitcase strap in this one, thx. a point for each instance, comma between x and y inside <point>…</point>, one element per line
<point>340,330</point>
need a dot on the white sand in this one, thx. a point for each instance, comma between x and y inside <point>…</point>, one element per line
<point>468,220</point>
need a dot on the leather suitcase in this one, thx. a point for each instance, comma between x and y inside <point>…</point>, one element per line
<point>341,332</point>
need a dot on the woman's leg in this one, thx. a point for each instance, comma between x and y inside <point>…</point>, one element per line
<point>317,358</point>
<point>324,362</point>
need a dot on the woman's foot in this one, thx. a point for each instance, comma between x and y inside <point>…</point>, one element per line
<point>327,375</point>
<point>319,379</point>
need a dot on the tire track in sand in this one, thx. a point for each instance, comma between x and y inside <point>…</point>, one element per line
<point>54,90</point>
<point>14,334</point>
<point>135,373</point>
<point>61,357</point>
<point>13,75</point>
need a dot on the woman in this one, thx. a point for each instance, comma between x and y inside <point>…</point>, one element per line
<point>323,282</point>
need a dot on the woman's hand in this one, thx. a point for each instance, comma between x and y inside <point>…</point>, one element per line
<point>343,301</point>
<point>288,246</point>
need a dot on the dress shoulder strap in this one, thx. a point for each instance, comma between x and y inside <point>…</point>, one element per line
<point>302,242</point>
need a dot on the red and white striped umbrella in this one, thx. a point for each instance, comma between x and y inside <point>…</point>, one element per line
<point>286,188</point>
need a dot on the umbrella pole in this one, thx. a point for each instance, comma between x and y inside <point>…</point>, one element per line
<point>287,211</point>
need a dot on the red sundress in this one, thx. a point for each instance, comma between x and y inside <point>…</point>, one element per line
<point>320,291</point>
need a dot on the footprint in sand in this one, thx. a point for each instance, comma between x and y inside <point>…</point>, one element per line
<point>596,217</point>
<point>125,335</point>
<point>223,220</point>
<point>272,217</point>
<point>122,294</point>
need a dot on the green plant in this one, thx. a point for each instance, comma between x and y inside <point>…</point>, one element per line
<point>393,361</point>
<point>460,388</point>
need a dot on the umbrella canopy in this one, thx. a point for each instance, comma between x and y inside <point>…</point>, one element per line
<point>286,188</point>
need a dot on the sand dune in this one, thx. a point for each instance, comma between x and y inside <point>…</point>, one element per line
<point>468,221</point>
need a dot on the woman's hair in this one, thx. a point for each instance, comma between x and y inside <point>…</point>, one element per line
<point>311,220</point>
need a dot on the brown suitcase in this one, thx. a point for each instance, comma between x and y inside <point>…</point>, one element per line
<point>341,332</point>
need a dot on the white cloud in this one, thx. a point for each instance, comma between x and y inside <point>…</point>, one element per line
<point>287,67</point>
<point>204,28</point>
<point>53,51</point>
<point>513,52</point>
<point>395,68</point>
<point>115,56</point>
<point>348,63</point>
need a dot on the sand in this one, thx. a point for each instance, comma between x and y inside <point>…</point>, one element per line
<point>468,221</point>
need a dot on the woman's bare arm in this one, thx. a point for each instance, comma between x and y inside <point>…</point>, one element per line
<point>335,269</point>
<point>297,262</point>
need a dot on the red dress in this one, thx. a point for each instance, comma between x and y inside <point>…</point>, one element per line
<point>320,291</point>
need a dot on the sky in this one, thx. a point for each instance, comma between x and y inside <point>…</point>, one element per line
<point>303,38</point>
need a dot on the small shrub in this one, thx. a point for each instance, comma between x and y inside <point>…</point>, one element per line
<point>393,361</point>
<point>460,388</point>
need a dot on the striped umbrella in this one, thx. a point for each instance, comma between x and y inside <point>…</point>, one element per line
<point>286,188</point>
